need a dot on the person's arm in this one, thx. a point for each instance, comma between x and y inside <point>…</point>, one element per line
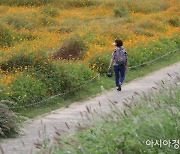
<point>111,62</point>
<point>126,64</point>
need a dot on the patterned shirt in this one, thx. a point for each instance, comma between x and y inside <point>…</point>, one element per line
<point>113,54</point>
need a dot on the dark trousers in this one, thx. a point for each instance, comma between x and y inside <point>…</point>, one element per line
<point>119,73</point>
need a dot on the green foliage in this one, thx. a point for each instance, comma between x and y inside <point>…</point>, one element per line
<point>50,11</point>
<point>72,48</point>
<point>23,59</point>
<point>77,74</point>
<point>25,36</point>
<point>47,21</point>
<point>6,35</point>
<point>8,126</point>
<point>145,27</point>
<point>25,2</point>
<point>20,20</point>
<point>52,75</point>
<point>17,61</point>
<point>100,62</point>
<point>25,90</point>
<point>62,77</point>
<point>143,53</point>
<point>70,25</point>
<point>121,11</point>
<point>175,21</point>
<point>63,3</point>
<point>79,3</point>
<point>142,6</point>
<point>141,31</point>
<point>30,21</point>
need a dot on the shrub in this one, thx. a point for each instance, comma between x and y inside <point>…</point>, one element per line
<point>25,2</point>
<point>77,74</point>
<point>20,20</point>
<point>47,21</point>
<point>23,36</point>
<point>72,48</point>
<point>100,62</point>
<point>50,11</point>
<point>6,35</point>
<point>52,76</point>
<point>121,11</point>
<point>17,61</point>
<point>25,90</point>
<point>8,126</point>
<point>23,59</point>
<point>175,21</point>
<point>61,76</point>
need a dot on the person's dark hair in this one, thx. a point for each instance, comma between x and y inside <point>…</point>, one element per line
<point>119,42</point>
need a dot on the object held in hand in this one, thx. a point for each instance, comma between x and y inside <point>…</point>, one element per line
<point>109,74</point>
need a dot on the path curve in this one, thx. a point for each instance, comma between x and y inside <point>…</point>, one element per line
<point>56,119</point>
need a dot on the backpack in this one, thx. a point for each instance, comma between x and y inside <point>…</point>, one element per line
<point>120,56</point>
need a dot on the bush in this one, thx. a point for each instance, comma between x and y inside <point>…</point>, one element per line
<point>121,11</point>
<point>61,77</point>
<point>175,21</point>
<point>25,90</point>
<point>77,74</point>
<point>47,21</point>
<point>17,21</point>
<point>26,36</point>
<point>25,2</point>
<point>8,126</point>
<point>52,76</point>
<point>100,62</point>
<point>23,59</point>
<point>23,20</point>
<point>6,35</point>
<point>50,11</point>
<point>19,61</point>
<point>72,48</point>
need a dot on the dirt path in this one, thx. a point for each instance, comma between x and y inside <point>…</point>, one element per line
<point>24,143</point>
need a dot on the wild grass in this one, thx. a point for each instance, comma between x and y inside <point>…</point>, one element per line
<point>150,118</point>
<point>8,126</point>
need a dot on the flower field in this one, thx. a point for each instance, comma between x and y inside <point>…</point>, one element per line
<point>32,31</point>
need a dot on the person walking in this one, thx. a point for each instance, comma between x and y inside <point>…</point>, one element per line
<point>119,62</point>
